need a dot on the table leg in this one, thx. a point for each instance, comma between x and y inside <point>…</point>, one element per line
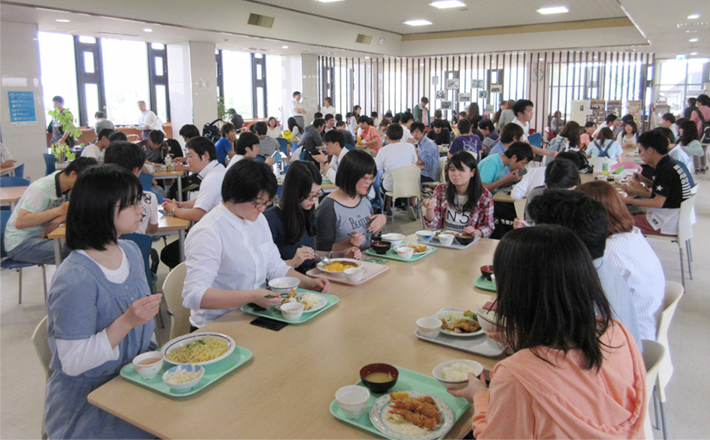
<point>181,240</point>
<point>58,251</point>
<point>179,184</point>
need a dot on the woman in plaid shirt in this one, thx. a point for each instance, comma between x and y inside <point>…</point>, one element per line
<point>462,204</point>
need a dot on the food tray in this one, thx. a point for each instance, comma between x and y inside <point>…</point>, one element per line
<point>275,314</point>
<point>392,255</point>
<point>213,372</point>
<point>408,380</point>
<point>371,271</point>
<point>454,245</point>
<point>481,345</point>
<point>485,284</point>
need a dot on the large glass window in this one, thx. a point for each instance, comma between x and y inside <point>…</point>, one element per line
<point>125,65</point>
<point>56,52</point>
<point>681,80</point>
<point>237,82</point>
<point>274,86</point>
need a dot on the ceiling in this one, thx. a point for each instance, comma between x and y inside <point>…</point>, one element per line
<point>613,24</point>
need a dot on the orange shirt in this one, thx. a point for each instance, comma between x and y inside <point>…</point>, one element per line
<point>531,398</point>
<point>371,134</point>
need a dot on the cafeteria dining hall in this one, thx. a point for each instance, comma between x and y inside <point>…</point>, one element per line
<point>318,219</point>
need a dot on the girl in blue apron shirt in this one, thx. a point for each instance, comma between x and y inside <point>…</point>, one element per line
<point>99,312</point>
<point>606,146</point>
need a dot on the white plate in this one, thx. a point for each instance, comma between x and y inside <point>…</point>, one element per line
<point>441,313</point>
<point>428,247</point>
<point>380,411</point>
<point>183,340</point>
<point>320,265</point>
<point>322,303</point>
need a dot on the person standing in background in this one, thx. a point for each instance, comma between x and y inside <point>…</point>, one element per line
<point>147,121</point>
<point>507,115</point>
<point>56,128</point>
<point>352,120</point>
<point>297,109</point>
<point>102,122</point>
<point>328,107</point>
<point>690,108</point>
<point>421,113</point>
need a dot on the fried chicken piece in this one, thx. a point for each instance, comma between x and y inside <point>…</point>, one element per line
<point>421,405</point>
<point>467,326</point>
<point>416,419</point>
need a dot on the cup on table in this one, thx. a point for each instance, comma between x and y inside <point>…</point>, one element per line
<point>148,364</point>
<point>352,400</point>
<point>354,274</point>
<point>405,252</point>
<point>429,327</point>
<point>292,311</point>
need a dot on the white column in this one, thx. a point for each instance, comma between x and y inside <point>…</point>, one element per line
<point>180,87</point>
<point>203,77</point>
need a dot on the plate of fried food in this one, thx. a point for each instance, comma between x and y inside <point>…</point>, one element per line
<point>418,247</point>
<point>411,415</point>
<point>311,301</point>
<point>458,322</point>
<point>338,265</point>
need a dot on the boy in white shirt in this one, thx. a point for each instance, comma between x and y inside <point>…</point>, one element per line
<point>396,154</point>
<point>335,147</point>
<point>98,149</point>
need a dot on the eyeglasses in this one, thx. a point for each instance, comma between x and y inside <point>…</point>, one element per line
<point>266,204</point>
<point>313,196</point>
<point>368,178</point>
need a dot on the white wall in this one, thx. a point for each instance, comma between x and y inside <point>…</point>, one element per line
<point>180,86</point>
<point>292,81</point>
<point>309,87</point>
<point>204,83</point>
<point>19,64</point>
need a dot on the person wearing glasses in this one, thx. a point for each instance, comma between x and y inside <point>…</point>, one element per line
<point>292,221</point>
<point>230,254</point>
<point>202,158</point>
<point>344,219</point>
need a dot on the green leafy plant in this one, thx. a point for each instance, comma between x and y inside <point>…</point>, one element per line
<point>62,151</point>
<point>222,111</point>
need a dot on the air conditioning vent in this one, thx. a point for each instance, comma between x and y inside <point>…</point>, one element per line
<point>691,25</point>
<point>363,39</point>
<point>261,20</point>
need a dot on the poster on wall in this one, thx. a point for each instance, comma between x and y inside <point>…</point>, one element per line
<point>614,107</point>
<point>441,94</point>
<point>482,94</point>
<point>434,80</point>
<point>452,84</point>
<point>597,111</point>
<point>477,83</point>
<point>496,88</point>
<point>580,111</point>
<point>464,97</point>
<point>22,108</point>
<point>446,105</point>
<point>634,108</point>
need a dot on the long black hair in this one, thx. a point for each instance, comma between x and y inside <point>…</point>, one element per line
<point>475,187</point>
<point>299,180</point>
<point>690,132</point>
<point>549,293</point>
<point>293,123</point>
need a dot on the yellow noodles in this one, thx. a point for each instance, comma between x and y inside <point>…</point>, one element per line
<point>339,266</point>
<point>200,350</point>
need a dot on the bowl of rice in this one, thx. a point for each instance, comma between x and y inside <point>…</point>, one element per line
<point>453,375</point>
<point>184,377</point>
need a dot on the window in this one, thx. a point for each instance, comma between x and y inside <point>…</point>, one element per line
<point>125,66</point>
<point>56,52</point>
<point>89,78</point>
<point>237,82</point>
<point>274,86</point>
<point>681,80</point>
<point>158,80</point>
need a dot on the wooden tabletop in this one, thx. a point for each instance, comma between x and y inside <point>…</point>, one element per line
<point>165,224</point>
<point>158,174</point>
<point>10,170</point>
<point>12,194</point>
<point>287,387</point>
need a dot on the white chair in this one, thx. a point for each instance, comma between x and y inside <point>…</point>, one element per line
<point>440,171</point>
<point>405,185</point>
<point>598,163</point>
<point>172,292</point>
<point>520,208</point>
<point>673,293</point>
<point>685,233</point>
<point>653,354</point>
<point>39,340</point>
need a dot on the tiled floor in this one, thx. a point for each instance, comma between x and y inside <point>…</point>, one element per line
<point>22,378</point>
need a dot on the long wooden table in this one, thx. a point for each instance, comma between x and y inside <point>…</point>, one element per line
<point>10,171</point>
<point>285,390</point>
<point>11,195</point>
<point>166,226</point>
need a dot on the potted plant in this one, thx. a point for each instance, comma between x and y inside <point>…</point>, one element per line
<point>61,151</point>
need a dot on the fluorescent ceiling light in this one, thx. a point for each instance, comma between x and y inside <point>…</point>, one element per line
<point>693,53</point>
<point>284,47</point>
<point>693,40</point>
<point>553,10</point>
<point>62,20</point>
<point>447,4</point>
<point>147,30</point>
<point>418,22</point>
<point>693,16</point>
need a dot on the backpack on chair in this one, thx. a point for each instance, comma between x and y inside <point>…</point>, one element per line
<point>211,131</point>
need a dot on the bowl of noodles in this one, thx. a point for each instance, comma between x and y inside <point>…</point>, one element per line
<point>198,348</point>
<point>338,265</point>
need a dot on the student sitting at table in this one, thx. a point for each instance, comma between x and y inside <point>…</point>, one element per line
<point>676,152</point>
<point>6,157</point>
<point>335,147</point>
<point>99,308</point>
<point>427,153</point>
<point>487,133</point>
<point>461,204</point>
<point>628,251</point>
<point>689,142</point>
<point>230,254</point>
<point>576,372</point>
<point>202,157</point>
<point>567,139</point>
<point>606,146</point>
<point>247,147</point>
<point>267,145</point>
<point>131,157</point>
<point>41,210</point>
<point>224,145</point>
<point>292,221</point>
<point>587,134</point>
<point>344,219</point>
<point>97,149</point>
<point>563,175</point>
<point>509,134</point>
<point>369,136</point>
<point>535,177</point>
<point>155,148</point>
<point>341,127</point>
<point>465,141</point>
<point>627,138</point>
<point>273,131</point>
<point>587,219</point>
<point>492,168</point>
<point>396,154</point>
<point>671,185</point>
<point>440,134</point>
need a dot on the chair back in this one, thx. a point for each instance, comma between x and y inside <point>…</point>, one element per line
<point>39,340</point>
<point>6,182</point>
<point>4,218</point>
<point>406,182</point>
<point>598,163</point>
<point>627,166</point>
<point>172,292</point>
<point>349,147</point>
<point>653,354</point>
<point>535,139</point>
<point>133,137</point>
<point>283,145</point>
<point>674,291</point>
<point>20,171</point>
<point>520,208</point>
<point>376,185</point>
<point>145,243</point>
<point>685,220</point>
<point>442,168</point>
<point>146,181</point>
<point>50,163</point>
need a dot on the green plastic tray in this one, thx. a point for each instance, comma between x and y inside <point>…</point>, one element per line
<point>213,372</point>
<point>485,284</point>
<point>408,380</point>
<point>392,255</point>
<point>275,314</point>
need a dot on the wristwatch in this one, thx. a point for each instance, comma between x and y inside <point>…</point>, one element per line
<point>172,212</point>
